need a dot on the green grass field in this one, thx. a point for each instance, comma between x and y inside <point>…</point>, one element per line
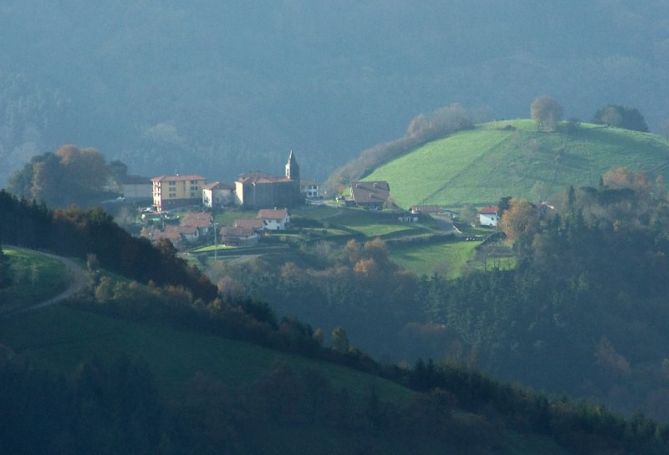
<point>60,337</point>
<point>35,278</point>
<point>448,259</point>
<point>512,158</point>
<point>451,259</point>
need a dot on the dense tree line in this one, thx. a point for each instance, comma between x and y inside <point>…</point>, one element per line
<point>621,117</point>
<point>589,291</point>
<point>69,176</point>
<point>78,233</point>
<point>421,129</point>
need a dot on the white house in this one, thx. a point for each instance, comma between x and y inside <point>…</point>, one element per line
<point>489,216</point>
<point>217,194</point>
<point>310,189</point>
<point>274,219</point>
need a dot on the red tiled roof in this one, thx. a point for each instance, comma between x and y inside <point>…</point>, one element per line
<point>250,223</point>
<point>272,214</point>
<point>228,231</point>
<point>174,178</point>
<point>489,210</point>
<point>370,192</point>
<point>196,219</point>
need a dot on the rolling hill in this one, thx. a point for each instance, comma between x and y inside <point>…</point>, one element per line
<point>512,158</point>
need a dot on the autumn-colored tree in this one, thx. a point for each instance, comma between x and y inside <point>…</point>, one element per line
<point>520,220</point>
<point>623,177</point>
<point>546,112</point>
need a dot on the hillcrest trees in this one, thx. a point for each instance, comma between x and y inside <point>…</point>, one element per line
<point>69,176</point>
<point>547,112</point>
<point>621,117</point>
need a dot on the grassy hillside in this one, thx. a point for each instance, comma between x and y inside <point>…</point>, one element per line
<point>36,277</point>
<point>61,337</point>
<point>513,158</point>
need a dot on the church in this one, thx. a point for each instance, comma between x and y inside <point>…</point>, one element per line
<point>259,190</point>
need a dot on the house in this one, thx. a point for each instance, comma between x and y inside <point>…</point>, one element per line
<point>238,236</point>
<point>217,194</point>
<point>170,191</point>
<point>371,195</point>
<point>274,219</point>
<point>201,221</point>
<point>136,188</point>
<point>261,190</point>
<point>489,216</point>
<point>310,189</point>
<point>255,224</point>
<point>170,232</point>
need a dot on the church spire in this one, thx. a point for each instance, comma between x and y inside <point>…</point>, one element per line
<point>292,168</point>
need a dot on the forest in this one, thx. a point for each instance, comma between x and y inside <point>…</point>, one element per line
<point>156,83</point>
<point>116,405</point>
<point>587,292</point>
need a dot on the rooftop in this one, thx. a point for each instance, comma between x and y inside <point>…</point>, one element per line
<point>489,210</point>
<point>176,178</point>
<point>272,214</point>
<point>260,177</point>
<point>370,192</point>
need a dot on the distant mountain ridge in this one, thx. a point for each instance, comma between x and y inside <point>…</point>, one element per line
<point>219,88</point>
<point>512,158</point>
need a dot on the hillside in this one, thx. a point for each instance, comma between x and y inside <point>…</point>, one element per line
<point>36,277</point>
<point>223,87</point>
<point>513,158</point>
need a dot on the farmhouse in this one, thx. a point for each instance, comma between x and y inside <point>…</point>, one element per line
<point>201,221</point>
<point>170,191</point>
<point>489,216</point>
<point>274,219</point>
<point>249,223</point>
<point>372,195</point>
<point>261,190</point>
<point>238,236</point>
<point>310,189</point>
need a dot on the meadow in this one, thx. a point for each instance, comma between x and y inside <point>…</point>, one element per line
<point>35,277</point>
<point>503,158</point>
<point>62,336</point>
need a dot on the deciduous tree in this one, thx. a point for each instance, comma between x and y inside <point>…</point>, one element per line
<point>546,112</point>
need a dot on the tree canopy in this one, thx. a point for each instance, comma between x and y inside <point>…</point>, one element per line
<point>621,117</point>
<point>547,112</point>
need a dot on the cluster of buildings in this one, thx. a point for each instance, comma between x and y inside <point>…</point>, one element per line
<point>251,190</point>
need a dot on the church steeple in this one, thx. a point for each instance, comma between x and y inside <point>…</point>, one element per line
<point>292,168</point>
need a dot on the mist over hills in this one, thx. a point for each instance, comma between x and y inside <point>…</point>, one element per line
<point>223,87</point>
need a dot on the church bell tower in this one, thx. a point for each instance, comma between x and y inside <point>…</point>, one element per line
<point>292,168</point>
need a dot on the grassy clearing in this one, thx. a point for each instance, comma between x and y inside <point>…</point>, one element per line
<point>36,277</point>
<point>448,259</point>
<point>60,337</point>
<point>513,158</point>
<point>451,259</point>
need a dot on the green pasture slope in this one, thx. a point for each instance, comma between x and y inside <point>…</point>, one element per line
<point>62,336</point>
<point>35,277</point>
<point>512,158</point>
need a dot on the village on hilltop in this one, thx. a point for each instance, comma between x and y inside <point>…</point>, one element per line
<point>183,206</point>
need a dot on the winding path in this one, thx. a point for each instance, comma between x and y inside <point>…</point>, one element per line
<point>79,282</point>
